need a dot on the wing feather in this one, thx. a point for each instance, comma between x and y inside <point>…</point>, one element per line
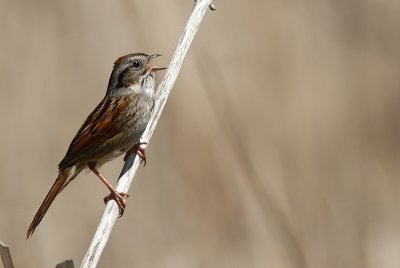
<point>99,128</point>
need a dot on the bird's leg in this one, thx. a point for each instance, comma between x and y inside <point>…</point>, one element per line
<point>139,150</point>
<point>119,198</point>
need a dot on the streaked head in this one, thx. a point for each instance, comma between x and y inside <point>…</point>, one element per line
<point>131,70</point>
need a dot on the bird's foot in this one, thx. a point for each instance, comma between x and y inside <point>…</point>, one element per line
<point>139,150</point>
<point>119,198</point>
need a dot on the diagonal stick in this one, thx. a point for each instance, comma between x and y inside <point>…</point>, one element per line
<point>111,210</point>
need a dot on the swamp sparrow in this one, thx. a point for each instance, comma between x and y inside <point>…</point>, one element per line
<point>113,128</point>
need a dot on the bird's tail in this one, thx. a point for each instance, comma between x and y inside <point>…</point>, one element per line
<point>64,177</point>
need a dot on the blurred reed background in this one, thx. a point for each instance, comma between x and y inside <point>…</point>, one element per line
<point>279,146</point>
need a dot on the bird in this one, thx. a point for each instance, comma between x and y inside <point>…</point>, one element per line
<point>113,128</point>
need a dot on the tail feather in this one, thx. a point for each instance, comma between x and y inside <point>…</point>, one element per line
<point>64,177</point>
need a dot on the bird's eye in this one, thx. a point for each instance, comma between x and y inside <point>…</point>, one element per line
<point>136,64</point>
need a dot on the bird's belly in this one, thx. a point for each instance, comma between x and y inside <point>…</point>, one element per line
<point>132,127</point>
<point>114,154</point>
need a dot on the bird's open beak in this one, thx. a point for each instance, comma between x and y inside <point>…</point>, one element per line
<point>154,56</point>
<point>155,68</point>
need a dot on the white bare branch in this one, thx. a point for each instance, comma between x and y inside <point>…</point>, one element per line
<point>111,210</point>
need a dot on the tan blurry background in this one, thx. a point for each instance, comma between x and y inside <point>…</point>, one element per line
<point>279,146</point>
